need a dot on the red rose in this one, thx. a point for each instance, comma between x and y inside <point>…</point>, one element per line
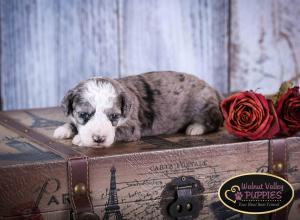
<point>250,115</point>
<point>288,111</point>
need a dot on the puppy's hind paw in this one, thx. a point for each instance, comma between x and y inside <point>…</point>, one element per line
<point>63,132</point>
<point>195,129</point>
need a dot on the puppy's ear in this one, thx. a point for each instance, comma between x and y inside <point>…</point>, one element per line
<point>126,104</point>
<point>67,102</point>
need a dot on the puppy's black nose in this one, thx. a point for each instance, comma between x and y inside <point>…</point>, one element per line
<point>98,139</point>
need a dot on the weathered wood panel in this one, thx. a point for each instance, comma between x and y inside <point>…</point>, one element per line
<point>188,36</point>
<point>48,46</point>
<point>265,44</point>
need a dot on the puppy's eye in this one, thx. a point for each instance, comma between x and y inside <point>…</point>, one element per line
<point>114,118</point>
<point>84,115</point>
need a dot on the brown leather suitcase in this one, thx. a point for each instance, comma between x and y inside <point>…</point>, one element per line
<point>43,178</point>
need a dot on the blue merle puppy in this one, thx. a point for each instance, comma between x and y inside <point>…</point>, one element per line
<point>103,110</point>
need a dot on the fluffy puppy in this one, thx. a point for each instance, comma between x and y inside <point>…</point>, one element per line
<point>103,110</point>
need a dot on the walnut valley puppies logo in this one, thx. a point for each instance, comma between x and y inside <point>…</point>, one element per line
<point>256,193</point>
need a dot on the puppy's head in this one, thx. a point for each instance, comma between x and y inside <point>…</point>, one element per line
<point>96,107</point>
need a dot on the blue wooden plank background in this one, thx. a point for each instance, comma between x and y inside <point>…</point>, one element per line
<point>47,46</point>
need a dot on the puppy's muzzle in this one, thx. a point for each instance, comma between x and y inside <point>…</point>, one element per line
<point>98,139</point>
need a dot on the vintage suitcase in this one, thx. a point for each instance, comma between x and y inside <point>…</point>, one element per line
<point>42,178</point>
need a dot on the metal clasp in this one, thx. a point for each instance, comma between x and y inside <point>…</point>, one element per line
<point>187,203</point>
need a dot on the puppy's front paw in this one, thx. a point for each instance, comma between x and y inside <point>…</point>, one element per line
<point>195,129</point>
<point>63,132</point>
<point>76,140</point>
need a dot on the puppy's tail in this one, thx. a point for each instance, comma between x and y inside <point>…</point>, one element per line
<point>214,119</point>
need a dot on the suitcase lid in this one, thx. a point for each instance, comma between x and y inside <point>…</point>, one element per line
<point>16,150</point>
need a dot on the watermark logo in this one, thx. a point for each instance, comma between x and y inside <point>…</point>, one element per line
<point>256,193</point>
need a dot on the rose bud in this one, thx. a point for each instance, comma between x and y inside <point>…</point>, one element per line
<point>288,111</point>
<point>249,115</point>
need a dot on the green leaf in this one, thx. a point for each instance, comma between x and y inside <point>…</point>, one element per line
<point>283,89</point>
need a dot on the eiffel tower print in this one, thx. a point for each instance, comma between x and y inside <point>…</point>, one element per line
<point>112,209</point>
<point>39,122</point>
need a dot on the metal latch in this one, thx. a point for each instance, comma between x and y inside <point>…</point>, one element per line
<point>187,198</point>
